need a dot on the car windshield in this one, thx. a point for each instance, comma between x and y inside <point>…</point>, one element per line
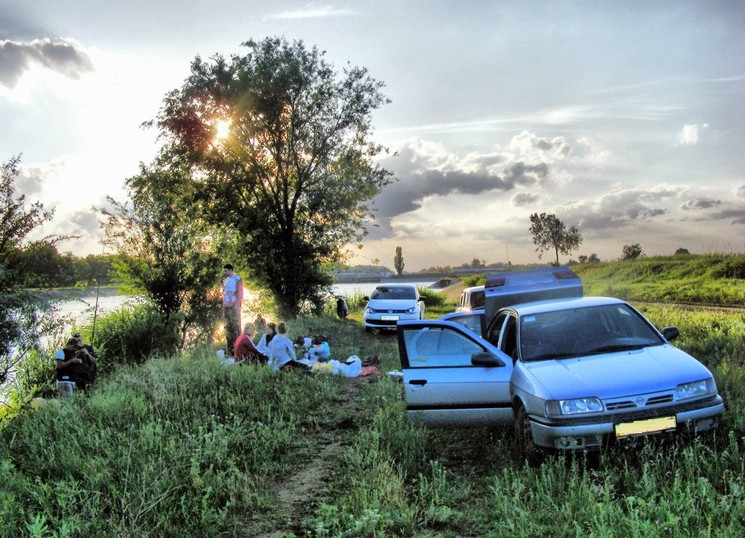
<point>584,331</point>
<point>393,292</point>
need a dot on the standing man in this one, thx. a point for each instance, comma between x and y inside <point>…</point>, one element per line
<point>232,297</point>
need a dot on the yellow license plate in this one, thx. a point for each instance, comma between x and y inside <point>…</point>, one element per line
<point>640,427</point>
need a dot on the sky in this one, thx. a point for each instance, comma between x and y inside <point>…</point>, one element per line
<point>624,119</point>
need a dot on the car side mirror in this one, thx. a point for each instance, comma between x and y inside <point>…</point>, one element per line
<point>484,358</point>
<point>670,333</point>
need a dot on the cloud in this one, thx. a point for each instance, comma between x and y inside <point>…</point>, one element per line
<point>64,57</point>
<point>688,135</point>
<point>618,208</point>
<point>313,11</point>
<point>86,223</point>
<point>32,180</point>
<point>700,203</point>
<point>523,198</point>
<point>534,147</point>
<point>740,191</point>
<point>426,170</point>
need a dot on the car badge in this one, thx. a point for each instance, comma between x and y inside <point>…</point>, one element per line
<point>390,311</point>
<point>639,401</point>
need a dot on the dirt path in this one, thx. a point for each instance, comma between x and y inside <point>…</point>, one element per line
<point>294,496</point>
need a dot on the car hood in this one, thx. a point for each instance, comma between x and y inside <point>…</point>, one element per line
<point>614,375</point>
<point>391,304</point>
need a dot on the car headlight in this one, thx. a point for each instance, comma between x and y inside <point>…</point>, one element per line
<point>696,388</point>
<point>574,406</point>
<point>411,310</point>
<point>369,310</point>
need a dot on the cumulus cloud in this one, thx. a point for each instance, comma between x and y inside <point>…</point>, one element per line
<point>523,198</point>
<point>62,56</point>
<point>740,191</point>
<point>32,179</point>
<point>619,208</point>
<point>86,223</point>
<point>700,203</point>
<point>533,147</point>
<point>426,170</point>
<point>689,134</point>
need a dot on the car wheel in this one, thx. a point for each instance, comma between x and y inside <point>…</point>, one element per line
<point>525,444</point>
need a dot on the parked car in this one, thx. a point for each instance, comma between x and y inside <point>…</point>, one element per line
<point>390,303</point>
<point>571,373</point>
<point>471,298</point>
<point>471,319</point>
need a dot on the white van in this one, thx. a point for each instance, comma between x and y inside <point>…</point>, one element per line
<point>471,298</point>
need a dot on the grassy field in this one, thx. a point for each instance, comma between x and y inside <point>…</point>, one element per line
<point>189,447</point>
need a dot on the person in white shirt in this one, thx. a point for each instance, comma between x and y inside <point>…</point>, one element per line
<point>232,298</point>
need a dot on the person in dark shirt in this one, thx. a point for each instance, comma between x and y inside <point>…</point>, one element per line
<point>77,363</point>
<point>245,350</point>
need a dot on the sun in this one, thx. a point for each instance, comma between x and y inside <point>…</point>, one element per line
<point>222,129</point>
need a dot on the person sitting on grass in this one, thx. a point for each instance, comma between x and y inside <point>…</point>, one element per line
<point>245,350</point>
<point>282,352</point>
<point>76,364</point>
<point>270,332</point>
<point>319,351</point>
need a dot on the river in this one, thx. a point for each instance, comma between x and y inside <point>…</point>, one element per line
<point>81,310</point>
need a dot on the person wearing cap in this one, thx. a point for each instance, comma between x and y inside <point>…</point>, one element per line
<point>232,298</point>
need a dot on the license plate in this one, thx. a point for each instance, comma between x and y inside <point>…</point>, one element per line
<point>640,427</point>
<point>389,318</point>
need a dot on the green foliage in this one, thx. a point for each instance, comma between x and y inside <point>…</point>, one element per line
<point>133,335</point>
<point>294,176</point>
<point>165,251</point>
<point>550,233</point>
<point>398,261</point>
<point>704,279</point>
<point>631,252</point>
<point>190,447</point>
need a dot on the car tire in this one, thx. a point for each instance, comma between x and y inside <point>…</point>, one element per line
<point>527,448</point>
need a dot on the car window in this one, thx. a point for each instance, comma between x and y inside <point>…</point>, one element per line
<point>470,321</point>
<point>495,329</point>
<point>439,347</point>
<point>392,292</point>
<point>478,299</point>
<point>582,331</point>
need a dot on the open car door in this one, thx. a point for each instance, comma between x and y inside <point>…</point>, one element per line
<point>452,376</point>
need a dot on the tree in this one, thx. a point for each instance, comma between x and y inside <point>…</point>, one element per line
<point>631,252</point>
<point>550,233</point>
<point>398,261</point>
<point>166,251</point>
<point>279,151</point>
<point>682,252</point>
<point>20,311</point>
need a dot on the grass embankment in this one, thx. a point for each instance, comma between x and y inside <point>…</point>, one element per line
<point>188,447</point>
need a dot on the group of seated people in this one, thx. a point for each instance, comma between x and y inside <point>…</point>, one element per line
<point>277,350</point>
<point>76,362</point>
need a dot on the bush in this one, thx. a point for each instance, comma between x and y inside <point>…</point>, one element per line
<point>132,335</point>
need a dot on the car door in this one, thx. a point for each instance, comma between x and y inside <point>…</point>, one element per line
<point>452,376</point>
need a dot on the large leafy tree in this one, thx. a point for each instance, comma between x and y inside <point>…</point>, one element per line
<point>165,251</point>
<point>279,149</point>
<point>550,233</point>
<point>21,313</point>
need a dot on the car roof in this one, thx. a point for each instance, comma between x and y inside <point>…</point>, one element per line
<point>395,286</point>
<point>562,304</point>
<point>473,312</point>
<point>473,288</point>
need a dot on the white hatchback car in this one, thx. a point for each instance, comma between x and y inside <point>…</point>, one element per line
<point>390,303</point>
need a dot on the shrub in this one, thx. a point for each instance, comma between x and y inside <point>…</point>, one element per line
<point>132,335</point>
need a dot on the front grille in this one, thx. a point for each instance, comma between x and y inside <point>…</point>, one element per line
<point>377,311</point>
<point>641,401</point>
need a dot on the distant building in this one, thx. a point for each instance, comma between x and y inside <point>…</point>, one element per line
<point>362,274</point>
